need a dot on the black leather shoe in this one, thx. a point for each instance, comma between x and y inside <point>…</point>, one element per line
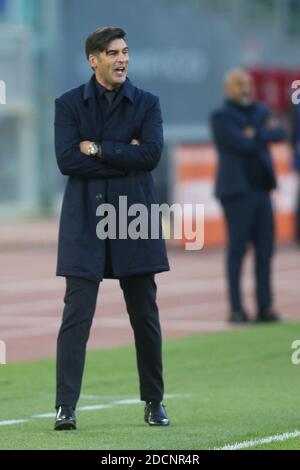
<point>155,414</point>
<point>268,315</point>
<point>239,316</point>
<point>65,418</point>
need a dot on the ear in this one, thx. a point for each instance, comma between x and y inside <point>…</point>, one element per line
<point>93,61</point>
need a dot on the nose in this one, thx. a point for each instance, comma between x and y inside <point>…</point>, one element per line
<point>122,58</point>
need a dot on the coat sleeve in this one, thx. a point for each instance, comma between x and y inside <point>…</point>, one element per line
<point>71,161</point>
<point>145,156</point>
<point>229,135</point>
<point>266,135</point>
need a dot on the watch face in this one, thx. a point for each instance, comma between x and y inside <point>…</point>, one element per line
<point>93,149</point>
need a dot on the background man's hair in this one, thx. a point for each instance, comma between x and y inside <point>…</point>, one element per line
<point>99,40</point>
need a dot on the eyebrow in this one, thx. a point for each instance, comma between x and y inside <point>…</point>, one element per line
<point>116,50</point>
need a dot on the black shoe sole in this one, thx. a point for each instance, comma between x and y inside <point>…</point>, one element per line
<point>161,425</point>
<point>156,424</point>
<point>65,426</point>
<point>239,321</point>
<point>268,320</point>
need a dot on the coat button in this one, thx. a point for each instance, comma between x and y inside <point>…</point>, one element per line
<point>99,196</point>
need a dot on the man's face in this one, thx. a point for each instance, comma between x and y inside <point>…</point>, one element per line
<point>240,89</point>
<point>111,65</point>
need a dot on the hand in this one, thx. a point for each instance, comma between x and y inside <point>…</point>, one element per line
<point>249,132</point>
<point>272,123</point>
<point>135,142</point>
<point>84,146</point>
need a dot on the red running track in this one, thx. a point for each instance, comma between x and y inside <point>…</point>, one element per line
<point>191,297</point>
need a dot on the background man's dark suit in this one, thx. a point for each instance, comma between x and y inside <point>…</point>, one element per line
<point>123,169</point>
<point>245,177</point>
<point>294,124</point>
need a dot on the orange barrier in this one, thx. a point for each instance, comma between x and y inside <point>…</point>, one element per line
<point>195,168</point>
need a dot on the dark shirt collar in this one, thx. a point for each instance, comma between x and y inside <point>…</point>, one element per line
<point>101,89</point>
<point>127,89</point>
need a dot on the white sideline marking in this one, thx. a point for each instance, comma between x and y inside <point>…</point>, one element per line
<point>100,406</point>
<point>257,442</point>
<point>94,407</point>
<point>43,415</point>
<point>128,401</point>
<point>13,421</point>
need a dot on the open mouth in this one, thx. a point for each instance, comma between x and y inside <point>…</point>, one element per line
<point>119,71</point>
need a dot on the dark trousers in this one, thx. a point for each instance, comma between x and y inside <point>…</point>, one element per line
<point>80,304</point>
<point>249,219</point>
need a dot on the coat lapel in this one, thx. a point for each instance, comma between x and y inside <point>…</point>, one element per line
<point>92,106</point>
<point>93,111</point>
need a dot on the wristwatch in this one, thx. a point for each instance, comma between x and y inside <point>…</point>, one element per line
<point>94,150</point>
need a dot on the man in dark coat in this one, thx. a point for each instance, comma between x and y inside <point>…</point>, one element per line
<point>294,124</point>
<point>242,130</point>
<point>108,138</point>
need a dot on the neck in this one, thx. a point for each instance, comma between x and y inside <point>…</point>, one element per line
<point>106,85</point>
<point>239,103</point>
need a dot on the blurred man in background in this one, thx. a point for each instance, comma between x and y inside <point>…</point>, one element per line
<point>242,130</point>
<point>294,121</point>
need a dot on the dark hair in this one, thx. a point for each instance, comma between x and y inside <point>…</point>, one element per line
<point>99,40</point>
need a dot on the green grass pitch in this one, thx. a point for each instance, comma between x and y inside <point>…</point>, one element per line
<point>241,386</point>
